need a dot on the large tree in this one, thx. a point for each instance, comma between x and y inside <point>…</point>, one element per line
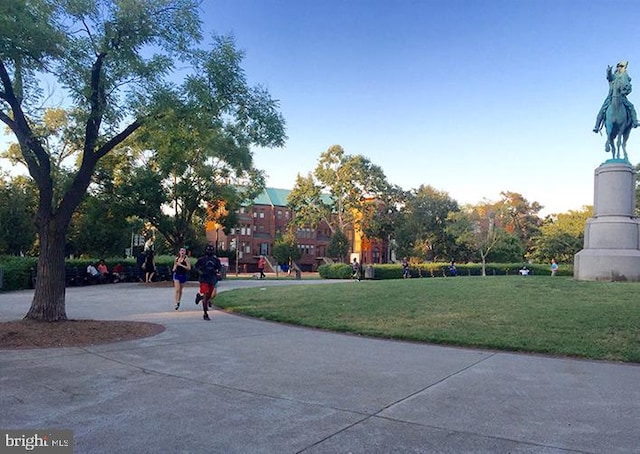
<point>519,217</point>
<point>561,236</point>
<point>477,228</point>
<point>380,216</point>
<point>339,192</point>
<point>112,62</point>
<point>422,230</point>
<point>195,166</point>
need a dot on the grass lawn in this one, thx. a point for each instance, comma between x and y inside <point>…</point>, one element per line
<point>558,316</point>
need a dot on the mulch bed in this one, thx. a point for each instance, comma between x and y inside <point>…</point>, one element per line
<point>24,334</point>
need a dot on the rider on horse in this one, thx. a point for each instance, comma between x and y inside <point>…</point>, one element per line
<point>620,76</point>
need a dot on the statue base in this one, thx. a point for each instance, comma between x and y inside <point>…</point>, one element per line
<point>612,236</point>
<point>607,265</point>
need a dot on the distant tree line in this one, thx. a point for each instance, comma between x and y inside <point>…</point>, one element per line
<point>147,193</point>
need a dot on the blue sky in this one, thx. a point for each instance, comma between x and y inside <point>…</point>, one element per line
<point>471,97</point>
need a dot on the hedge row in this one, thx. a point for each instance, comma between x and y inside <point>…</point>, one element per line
<point>18,272</point>
<point>394,271</point>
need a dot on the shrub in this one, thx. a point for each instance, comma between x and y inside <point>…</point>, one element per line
<point>440,269</point>
<point>335,271</point>
<point>17,272</point>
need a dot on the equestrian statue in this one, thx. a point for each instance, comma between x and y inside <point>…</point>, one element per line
<point>617,114</point>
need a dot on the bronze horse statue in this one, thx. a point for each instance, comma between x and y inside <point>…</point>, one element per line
<point>617,119</point>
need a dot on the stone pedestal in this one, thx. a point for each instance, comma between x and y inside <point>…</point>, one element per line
<point>612,236</point>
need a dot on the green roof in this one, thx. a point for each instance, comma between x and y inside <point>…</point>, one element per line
<point>273,197</point>
<point>278,197</point>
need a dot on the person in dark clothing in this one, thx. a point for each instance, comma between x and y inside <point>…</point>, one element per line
<point>405,268</point>
<point>140,259</point>
<point>208,267</point>
<point>150,266</point>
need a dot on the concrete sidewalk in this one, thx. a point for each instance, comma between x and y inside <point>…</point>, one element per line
<point>238,385</point>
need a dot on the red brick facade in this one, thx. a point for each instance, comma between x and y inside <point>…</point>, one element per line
<point>268,217</point>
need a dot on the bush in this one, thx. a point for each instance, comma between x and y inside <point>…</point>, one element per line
<point>441,269</point>
<point>335,271</point>
<point>17,272</point>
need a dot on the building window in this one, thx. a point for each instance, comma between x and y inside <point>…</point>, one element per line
<point>304,233</point>
<point>261,214</point>
<point>279,214</point>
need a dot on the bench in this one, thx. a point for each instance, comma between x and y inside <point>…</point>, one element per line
<point>163,273</point>
<point>73,276</point>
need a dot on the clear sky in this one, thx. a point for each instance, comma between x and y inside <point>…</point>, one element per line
<point>471,97</point>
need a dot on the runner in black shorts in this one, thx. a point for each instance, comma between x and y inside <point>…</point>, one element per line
<point>208,267</point>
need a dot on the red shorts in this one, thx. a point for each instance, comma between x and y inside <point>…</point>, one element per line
<point>206,288</point>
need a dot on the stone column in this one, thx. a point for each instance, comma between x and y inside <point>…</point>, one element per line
<point>612,236</point>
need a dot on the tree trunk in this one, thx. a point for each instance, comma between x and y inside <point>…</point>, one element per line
<point>484,262</point>
<point>49,298</point>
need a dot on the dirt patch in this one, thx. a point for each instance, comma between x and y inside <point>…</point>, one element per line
<point>71,333</point>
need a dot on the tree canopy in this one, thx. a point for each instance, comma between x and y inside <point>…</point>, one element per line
<point>338,191</point>
<point>112,66</point>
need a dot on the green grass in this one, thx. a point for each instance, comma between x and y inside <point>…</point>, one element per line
<point>558,316</point>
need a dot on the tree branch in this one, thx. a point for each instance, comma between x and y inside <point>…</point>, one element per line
<point>34,154</point>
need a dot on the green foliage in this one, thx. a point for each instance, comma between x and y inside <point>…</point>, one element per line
<point>350,181</point>
<point>17,272</point>
<point>97,230</point>
<point>17,207</point>
<point>561,236</point>
<point>441,269</point>
<point>519,218</point>
<point>508,248</point>
<point>335,271</point>
<point>338,245</point>
<point>113,62</point>
<point>422,229</point>
<point>307,202</point>
<point>205,157</point>
<point>285,248</point>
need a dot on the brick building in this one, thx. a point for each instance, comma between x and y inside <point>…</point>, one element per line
<point>267,217</point>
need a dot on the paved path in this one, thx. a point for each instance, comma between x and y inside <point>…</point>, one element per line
<point>238,385</point>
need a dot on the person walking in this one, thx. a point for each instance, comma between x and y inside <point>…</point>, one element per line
<point>140,259</point>
<point>554,267</point>
<point>452,269</point>
<point>181,268</point>
<point>208,267</point>
<point>261,264</point>
<point>355,266</point>
<point>405,268</point>
<point>149,266</point>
